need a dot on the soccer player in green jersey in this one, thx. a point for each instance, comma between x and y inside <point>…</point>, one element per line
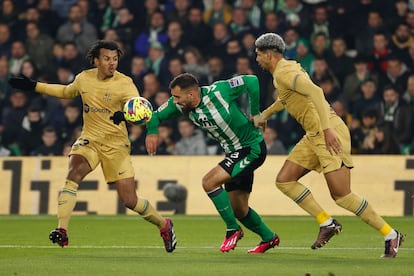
<point>214,109</point>
<point>104,91</point>
<point>326,146</point>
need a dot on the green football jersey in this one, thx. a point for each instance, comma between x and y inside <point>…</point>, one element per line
<point>218,113</point>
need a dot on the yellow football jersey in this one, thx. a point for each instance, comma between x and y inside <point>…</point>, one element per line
<point>100,98</point>
<point>298,104</point>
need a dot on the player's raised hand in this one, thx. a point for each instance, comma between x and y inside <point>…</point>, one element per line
<point>259,121</point>
<point>23,83</point>
<point>151,143</point>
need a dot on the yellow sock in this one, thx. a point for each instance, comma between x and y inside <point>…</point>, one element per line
<point>66,203</point>
<point>303,197</point>
<point>148,212</point>
<point>360,207</point>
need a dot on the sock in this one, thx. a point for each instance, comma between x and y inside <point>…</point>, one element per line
<point>221,201</point>
<point>148,212</point>
<point>66,203</point>
<point>361,208</point>
<point>254,222</point>
<point>303,197</point>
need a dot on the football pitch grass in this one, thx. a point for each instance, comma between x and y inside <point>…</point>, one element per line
<point>127,245</point>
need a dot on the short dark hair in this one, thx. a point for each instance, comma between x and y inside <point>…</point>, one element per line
<point>184,81</point>
<point>95,50</point>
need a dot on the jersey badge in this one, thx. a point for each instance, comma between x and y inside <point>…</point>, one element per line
<point>237,81</point>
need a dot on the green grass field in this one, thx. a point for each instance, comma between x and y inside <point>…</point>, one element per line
<point>127,245</point>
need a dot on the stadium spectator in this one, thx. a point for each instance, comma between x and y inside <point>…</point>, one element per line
<point>366,97</point>
<point>5,88</point>
<point>364,39</point>
<point>192,141</point>
<point>138,70</point>
<point>379,53</point>
<point>78,30</point>
<point>9,15</point>
<point>396,116</point>
<point>321,69</point>
<point>166,143</point>
<point>254,13</point>
<point>156,61</point>
<point>111,16</point>
<point>291,37</point>
<point>272,23</point>
<point>62,7</point>
<point>151,86</point>
<point>364,137</point>
<point>233,51</point>
<point>220,12</point>
<point>273,145</point>
<point>338,60</point>
<point>175,67</point>
<point>162,95</point>
<point>221,35</point>
<point>50,143</point>
<point>239,23</point>
<point>396,74</point>
<point>341,109</point>
<point>136,135</point>
<point>39,46</point>
<point>330,90</point>
<point>48,17</point>
<point>408,95</point>
<point>176,43</point>
<point>30,136</point>
<point>304,55</point>
<point>18,55</point>
<point>72,57</point>
<point>155,32</point>
<point>12,117</point>
<point>296,15</point>
<point>320,45</point>
<point>198,33</point>
<point>195,64</point>
<point>352,82</point>
<point>215,69</point>
<point>5,40</point>
<point>401,40</point>
<point>127,27</point>
<point>179,12</point>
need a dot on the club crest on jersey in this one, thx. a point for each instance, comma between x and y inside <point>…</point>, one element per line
<point>237,81</point>
<point>106,97</point>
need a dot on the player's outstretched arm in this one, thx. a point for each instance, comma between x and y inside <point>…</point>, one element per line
<point>22,82</point>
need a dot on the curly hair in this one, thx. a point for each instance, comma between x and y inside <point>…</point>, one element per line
<point>94,51</point>
<point>270,41</point>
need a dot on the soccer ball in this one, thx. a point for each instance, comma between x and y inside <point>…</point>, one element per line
<point>138,111</point>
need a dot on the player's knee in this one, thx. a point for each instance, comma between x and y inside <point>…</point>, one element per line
<point>129,201</point>
<point>208,185</point>
<point>283,186</point>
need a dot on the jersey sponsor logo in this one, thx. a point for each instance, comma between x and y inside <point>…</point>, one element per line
<point>237,81</point>
<point>87,109</point>
<point>244,163</point>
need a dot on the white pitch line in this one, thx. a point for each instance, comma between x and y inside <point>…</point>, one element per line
<point>180,247</point>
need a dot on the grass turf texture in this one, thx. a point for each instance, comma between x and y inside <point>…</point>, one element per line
<point>127,245</point>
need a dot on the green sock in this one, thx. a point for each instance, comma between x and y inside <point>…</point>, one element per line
<point>254,222</point>
<point>221,200</point>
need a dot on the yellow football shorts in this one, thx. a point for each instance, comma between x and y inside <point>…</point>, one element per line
<point>311,152</point>
<point>115,160</point>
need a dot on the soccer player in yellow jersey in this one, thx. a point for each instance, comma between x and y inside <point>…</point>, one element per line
<point>324,148</point>
<point>104,91</point>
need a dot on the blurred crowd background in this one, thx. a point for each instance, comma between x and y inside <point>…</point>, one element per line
<point>360,52</point>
